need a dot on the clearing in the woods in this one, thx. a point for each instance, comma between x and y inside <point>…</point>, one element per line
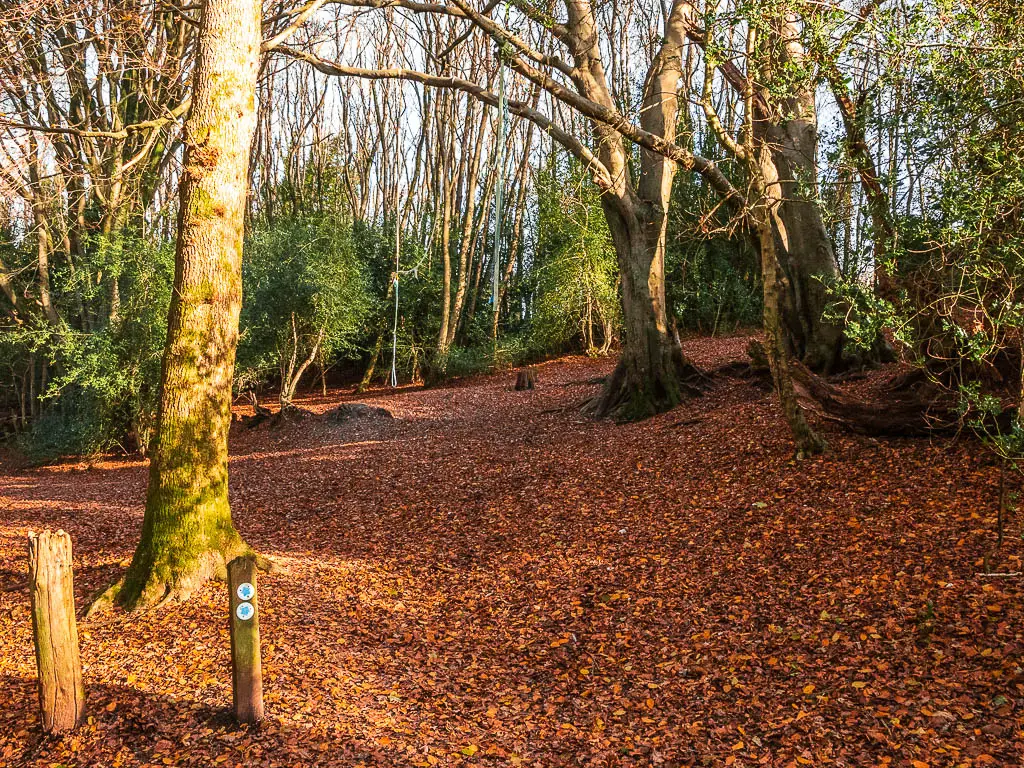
<point>491,578</point>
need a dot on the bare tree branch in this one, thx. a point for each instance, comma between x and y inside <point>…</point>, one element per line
<point>520,108</point>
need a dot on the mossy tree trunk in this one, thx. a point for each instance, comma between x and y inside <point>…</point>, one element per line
<point>652,375</point>
<point>802,247</point>
<point>188,535</point>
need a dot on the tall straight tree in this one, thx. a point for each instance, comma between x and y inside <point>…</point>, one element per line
<point>188,535</point>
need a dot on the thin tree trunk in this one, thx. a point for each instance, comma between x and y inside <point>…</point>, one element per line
<point>289,388</point>
<point>8,290</point>
<point>43,247</point>
<point>446,261</point>
<point>807,441</point>
<point>481,246</point>
<point>883,232</point>
<point>517,227</point>
<point>468,226</point>
<point>368,375</point>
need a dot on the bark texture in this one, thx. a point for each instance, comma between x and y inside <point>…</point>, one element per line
<point>55,632</point>
<point>804,250</point>
<point>901,411</point>
<point>652,375</point>
<point>908,404</point>
<point>187,534</point>
<point>806,441</point>
<point>526,379</point>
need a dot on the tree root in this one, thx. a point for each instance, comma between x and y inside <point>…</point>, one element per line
<point>158,589</point>
<point>899,414</point>
<point>907,406</point>
<point>628,396</point>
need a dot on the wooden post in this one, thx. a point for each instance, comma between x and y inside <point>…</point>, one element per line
<point>55,633</point>
<point>247,674</point>
<point>526,379</point>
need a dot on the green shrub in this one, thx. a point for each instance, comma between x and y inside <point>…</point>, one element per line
<point>304,293</point>
<point>714,286</point>
<point>103,392</point>
<point>575,272</point>
<point>713,276</point>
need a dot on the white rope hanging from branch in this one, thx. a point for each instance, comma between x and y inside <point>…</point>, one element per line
<point>394,331</point>
<point>398,232</point>
<point>499,166</point>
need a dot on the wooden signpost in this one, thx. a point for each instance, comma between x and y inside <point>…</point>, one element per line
<point>55,633</point>
<point>247,675</point>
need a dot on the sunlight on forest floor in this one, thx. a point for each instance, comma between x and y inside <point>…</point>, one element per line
<point>492,579</point>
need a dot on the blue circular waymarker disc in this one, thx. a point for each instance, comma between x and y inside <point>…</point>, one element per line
<point>245,591</point>
<point>245,611</point>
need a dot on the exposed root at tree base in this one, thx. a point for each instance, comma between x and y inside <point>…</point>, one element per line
<point>624,399</point>
<point>908,406</point>
<point>158,589</point>
<point>810,445</point>
<point>899,414</point>
<point>290,414</point>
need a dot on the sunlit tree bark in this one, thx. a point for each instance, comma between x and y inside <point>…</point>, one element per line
<point>789,130</point>
<point>188,534</point>
<point>769,139</point>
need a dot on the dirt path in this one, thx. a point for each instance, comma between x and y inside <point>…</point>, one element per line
<point>491,579</point>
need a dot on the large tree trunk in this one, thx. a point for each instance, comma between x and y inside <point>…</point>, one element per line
<point>805,254</point>
<point>804,250</point>
<point>187,533</point>
<point>652,375</point>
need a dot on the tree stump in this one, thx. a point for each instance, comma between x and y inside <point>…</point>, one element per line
<point>246,670</point>
<point>55,633</point>
<point>526,379</point>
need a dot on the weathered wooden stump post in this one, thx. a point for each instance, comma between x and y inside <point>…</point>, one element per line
<point>526,379</point>
<point>247,674</point>
<point>55,633</point>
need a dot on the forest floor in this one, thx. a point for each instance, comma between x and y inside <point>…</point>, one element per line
<point>492,579</point>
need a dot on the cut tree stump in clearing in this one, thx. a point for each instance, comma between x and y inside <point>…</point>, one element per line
<point>246,669</point>
<point>55,633</point>
<point>526,379</point>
